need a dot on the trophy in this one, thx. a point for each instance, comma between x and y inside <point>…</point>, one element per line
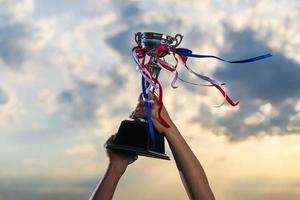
<point>139,136</point>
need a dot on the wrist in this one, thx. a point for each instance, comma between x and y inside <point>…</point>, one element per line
<point>117,168</point>
<point>171,130</point>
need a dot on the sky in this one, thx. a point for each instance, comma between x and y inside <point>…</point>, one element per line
<point>68,80</point>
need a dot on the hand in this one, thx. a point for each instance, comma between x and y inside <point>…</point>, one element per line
<point>140,112</point>
<point>155,115</point>
<point>117,160</point>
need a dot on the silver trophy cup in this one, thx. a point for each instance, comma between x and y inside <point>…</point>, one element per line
<point>133,135</point>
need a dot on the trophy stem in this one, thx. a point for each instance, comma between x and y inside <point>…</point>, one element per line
<point>155,68</point>
<point>154,73</point>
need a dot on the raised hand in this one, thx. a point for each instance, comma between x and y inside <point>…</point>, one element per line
<point>118,160</point>
<point>140,112</point>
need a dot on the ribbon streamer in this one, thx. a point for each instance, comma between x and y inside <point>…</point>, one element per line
<point>148,109</point>
<point>213,82</point>
<point>183,54</point>
<point>189,53</point>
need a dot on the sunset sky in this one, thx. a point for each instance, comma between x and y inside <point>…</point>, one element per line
<point>67,80</point>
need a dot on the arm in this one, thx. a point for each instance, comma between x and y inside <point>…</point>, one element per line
<point>117,166</point>
<point>190,169</point>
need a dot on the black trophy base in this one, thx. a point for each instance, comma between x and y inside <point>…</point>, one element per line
<point>133,138</point>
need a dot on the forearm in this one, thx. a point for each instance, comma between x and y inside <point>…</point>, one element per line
<point>106,188</point>
<point>196,182</point>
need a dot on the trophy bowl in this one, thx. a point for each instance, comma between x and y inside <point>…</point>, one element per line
<point>149,40</point>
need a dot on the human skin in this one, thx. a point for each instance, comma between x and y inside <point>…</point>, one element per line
<point>191,172</point>
<point>118,163</point>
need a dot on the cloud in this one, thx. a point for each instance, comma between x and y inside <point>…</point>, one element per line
<point>294,123</point>
<point>273,80</point>
<point>47,102</point>
<point>81,150</point>
<point>43,189</point>
<point>267,89</point>
<point>13,53</point>
<point>78,81</point>
<point>87,96</point>
<point>56,7</point>
<point>16,33</point>
<point>17,9</point>
<point>11,109</point>
<point>83,100</point>
<point>3,96</point>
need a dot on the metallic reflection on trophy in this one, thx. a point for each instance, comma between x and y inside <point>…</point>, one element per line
<point>133,136</point>
<point>149,41</point>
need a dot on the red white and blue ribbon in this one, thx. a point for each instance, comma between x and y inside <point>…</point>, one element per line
<point>180,55</point>
<point>145,85</point>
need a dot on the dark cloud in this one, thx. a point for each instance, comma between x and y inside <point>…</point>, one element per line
<point>66,97</point>
<point>129,10</point>
<point>13,51</point>
<point>83,100</point>
<point>237,129</point>
<point>14,40</point>
<point>45,188</point>
<point>122,42</point>
<point>272,80</point>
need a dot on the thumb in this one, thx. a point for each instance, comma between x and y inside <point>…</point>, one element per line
<point>152,96</point>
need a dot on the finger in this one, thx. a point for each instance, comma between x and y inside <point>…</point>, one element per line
<point>133,159</point>
<point>110,140</point>
<point>141,103</point>
<point>152,96</point>
<point>131,115</point>
<point>139,115</point>
<point>140,98</point>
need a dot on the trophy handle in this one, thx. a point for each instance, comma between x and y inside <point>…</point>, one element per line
<point>178,39</point>
<point>138,37</point>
